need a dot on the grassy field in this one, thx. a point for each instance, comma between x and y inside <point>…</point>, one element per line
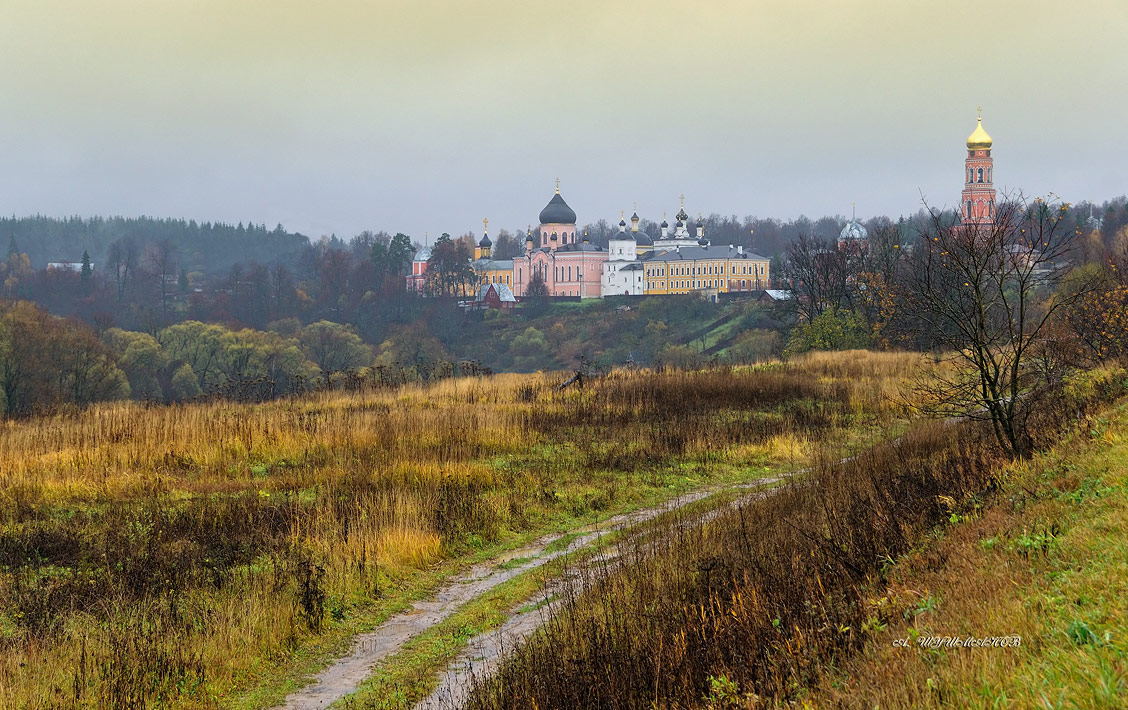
<point>188,556</point>
<point>771,603</point>
<point>1047,562</point>
<point>757,596</point>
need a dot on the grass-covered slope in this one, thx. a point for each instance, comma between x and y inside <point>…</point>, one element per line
<point>1045,561</point>
<point>797,599</point>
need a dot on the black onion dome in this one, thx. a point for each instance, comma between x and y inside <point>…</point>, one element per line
<point>557,211</point>
<point>703,242</point>
<point>681,215</point>
<point>665,223</point>
<point>622,223</point>
<point>485,241</point>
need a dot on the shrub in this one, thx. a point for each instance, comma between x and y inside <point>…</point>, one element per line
<point>833,329</point>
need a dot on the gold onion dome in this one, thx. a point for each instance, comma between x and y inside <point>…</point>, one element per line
<point>979,140</point>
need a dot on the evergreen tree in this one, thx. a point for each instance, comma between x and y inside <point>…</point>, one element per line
<point>87,269</point>
<point>400,253</point>
<point>13,248</point>
<point>536,295</point>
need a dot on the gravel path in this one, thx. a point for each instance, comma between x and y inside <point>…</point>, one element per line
<point>484,653</point>
<point>345,675</point>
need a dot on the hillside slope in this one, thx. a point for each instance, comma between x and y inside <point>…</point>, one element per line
<point>1044,562</point>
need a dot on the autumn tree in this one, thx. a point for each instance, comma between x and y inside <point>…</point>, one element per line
<point>449,273</point>
<point>816,272</point>
<point>83,368</point>
<point>874,285</point>
<point>198,345</point>
<point>529,350</point>
<point>984,295</point>
<point>1096,323</point>
<point>46,362</point>
<point>334,347</point>
<point>141,358</point>
<point>16,269</point>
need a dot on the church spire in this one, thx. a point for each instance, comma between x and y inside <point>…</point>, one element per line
<point>977,203</point>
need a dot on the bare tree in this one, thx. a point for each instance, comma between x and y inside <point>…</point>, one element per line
<point>986,294</point>
<point>160,261</point>
<point>817,274</point>
<point>122,259</point>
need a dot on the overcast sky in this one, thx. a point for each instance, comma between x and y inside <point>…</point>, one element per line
<point>334,116</point>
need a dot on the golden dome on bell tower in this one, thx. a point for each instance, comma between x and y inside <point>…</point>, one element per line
<point>979,139</point>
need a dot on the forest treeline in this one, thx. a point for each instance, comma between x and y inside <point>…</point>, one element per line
<point>50,364</point>
<point>149,320</point>
<point>146,274</point>
<point>207,247</point>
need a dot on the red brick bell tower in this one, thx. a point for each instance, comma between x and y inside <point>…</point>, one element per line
<point>977,205</point>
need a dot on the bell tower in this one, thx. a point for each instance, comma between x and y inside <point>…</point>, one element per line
<point>977,203</point>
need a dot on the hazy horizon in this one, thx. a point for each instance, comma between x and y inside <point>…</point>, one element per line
<point>343,115</point>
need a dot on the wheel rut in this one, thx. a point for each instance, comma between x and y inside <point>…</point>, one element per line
<point>344,675</point>
<point>485,652</point>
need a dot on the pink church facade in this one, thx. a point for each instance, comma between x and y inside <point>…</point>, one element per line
<point>569,265</point>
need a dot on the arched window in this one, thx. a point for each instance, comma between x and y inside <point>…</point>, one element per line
<point>980,175</point>
<point>969,209</point>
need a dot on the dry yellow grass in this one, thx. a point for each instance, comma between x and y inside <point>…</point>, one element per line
<point>180,553</point>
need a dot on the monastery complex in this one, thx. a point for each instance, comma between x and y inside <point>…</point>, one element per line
<point>675,261</point>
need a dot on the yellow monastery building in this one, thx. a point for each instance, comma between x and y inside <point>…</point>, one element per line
<point>489,270</point>
<point>633,264</point>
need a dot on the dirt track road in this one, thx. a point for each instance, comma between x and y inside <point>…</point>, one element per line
<point>485,652</point>
<point>345,675</point>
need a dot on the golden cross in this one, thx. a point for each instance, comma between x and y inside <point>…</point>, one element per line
<point>622,214</point>
<point>636,207</point>
<point>682,198</point>
<point>980,112</point>
<point>485,224</point>
<point>557,186</point>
